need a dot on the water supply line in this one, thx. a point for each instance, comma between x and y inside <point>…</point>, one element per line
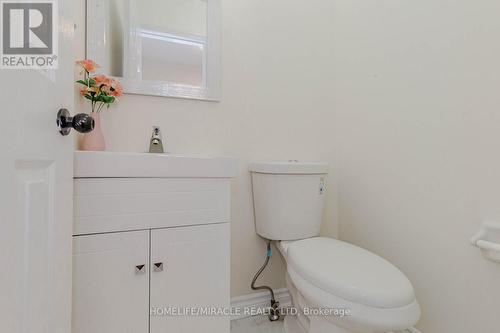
<point>274,313</point>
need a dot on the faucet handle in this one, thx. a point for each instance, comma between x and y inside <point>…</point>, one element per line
<point>156,143</point>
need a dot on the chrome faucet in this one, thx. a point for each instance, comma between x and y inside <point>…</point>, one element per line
<point>156,143</point>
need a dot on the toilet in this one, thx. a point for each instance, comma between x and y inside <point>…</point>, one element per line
<point>336,286</point>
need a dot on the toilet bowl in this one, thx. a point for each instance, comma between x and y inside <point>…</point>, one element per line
<point>336,287</point>
<point>357,290</point>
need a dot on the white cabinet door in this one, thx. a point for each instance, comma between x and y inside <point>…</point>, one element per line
<point>110,290</point>
<point>195,273</point>
<point>36,173</point>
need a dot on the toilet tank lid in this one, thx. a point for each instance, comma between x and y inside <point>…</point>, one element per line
<point>290,167</point>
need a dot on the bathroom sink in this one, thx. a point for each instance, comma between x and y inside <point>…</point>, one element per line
<point>118,165</point>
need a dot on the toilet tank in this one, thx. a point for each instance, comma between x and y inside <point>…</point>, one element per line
<point>288,199</point>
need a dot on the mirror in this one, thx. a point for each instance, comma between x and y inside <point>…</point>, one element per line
<point>157,47</point>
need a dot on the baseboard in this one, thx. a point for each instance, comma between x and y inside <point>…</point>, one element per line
<point>260,300</point>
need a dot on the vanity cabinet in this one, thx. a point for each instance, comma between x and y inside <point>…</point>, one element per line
<point>190,269</point>
<point>109,293</point>
<point>151,242</point>
<point>128,281</point>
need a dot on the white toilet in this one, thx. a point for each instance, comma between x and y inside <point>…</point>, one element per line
<point>324,275</point>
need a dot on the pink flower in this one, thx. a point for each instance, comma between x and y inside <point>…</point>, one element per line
<point>88,90</point>
<point>110,87</point>
<point>101,80</point>
<point>116,88</point>
<point>88,65</point>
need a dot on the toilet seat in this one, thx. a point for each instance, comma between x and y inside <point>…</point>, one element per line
<point>348,272</point>
<point>333,274</point>
<point>361,318</point>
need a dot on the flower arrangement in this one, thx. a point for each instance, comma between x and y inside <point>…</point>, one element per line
<point>101,90</point>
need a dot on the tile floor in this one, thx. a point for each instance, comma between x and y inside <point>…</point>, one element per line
<point>258,324</point>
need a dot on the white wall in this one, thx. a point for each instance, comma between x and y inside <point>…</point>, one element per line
<point>276,105</point>
<point>414,85</point>
<point>418,134</point>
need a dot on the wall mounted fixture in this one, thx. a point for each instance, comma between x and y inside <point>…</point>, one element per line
<point>488,240</point>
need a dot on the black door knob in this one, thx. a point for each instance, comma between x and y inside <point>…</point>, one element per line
<point>81,122</point>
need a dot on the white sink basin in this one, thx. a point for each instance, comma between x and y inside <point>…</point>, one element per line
<point>145,165</point>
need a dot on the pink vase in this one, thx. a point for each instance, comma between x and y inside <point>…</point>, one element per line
<point>94,141</point>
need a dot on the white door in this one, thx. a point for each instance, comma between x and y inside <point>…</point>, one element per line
<point>111,283</point>
<point>36,194</point>
<point>189,269</point>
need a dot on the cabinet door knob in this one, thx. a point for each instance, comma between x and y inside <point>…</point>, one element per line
<point>158,267</point>
<point>140,269</point>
